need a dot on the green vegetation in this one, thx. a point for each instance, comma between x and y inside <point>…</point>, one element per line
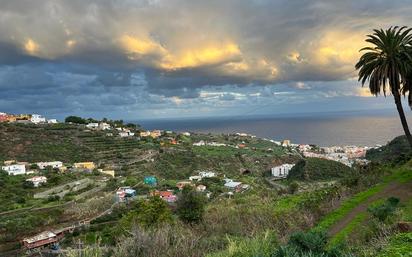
<point>396,151</point>
<point>75,119</point>
<point>146,214</point>
<point>347,206</point>
<point>261,246</point>
<point>399,245</point>
<point>190,205</point>
<point>318,169</point>
<point>253,223</point>
<point>384,210</point>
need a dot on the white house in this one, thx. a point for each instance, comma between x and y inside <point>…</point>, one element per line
<point>37,180</point>
<point>200,143</point>
<point>53,165</point>
<point>282,170</point>
<point>232,184</point>
<point>197,178</point>
<point>36,118</point>
<point>15,169</point>
<point>52,121</point>
<point>104,126</point>
<point>92,125</point>
<point>186,134</point>
<point>207,174</point>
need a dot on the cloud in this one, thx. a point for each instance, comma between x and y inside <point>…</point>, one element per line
<point>154,53</point>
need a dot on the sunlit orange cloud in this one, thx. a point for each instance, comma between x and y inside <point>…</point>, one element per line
<point>201,56</point>
<point>31,47</point>
<point>259,69</point>
<point>141,46</point>
<point>70,43</point>
<point>363,92</point>
<point>338,47</point>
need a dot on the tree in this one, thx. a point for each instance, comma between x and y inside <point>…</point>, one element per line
<point>75,119</point>
<point>190,205</point>
<point>149,213</point>
<point>388,62</point>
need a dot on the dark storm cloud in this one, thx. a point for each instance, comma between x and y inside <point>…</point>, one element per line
<point>119,56</point>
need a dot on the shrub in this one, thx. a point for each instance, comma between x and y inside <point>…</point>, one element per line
<point>147,214</point>
<point>75,119</point>
<point>190,206</point>
<point>293,187</point>
<point>384,210</point>
<point>314,241</point>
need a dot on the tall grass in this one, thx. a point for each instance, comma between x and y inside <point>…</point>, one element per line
<point>260,246</point>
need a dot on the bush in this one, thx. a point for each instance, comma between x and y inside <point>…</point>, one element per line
<point>147,214</point>
<point>309,244</point>
<point>191,205</point>
<point>75,119</point>
<point>293,187</point>
<point>314,241</point>
<point>383,211</point>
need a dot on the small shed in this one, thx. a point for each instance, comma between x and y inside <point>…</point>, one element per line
<point>150,180</point>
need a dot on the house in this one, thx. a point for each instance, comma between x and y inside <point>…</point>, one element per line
<point>182,184</point>
<point>126,133</point>
<point>123,134</point>
<point>84,165</point>
<point>43,239</point>
<point>52,121</point>
<point>150,180</point>
<point>53,165</point>
<point>15,169</point>
<point>187,134</point>
<point>155,133</point>
<point>104,126</point>
<point>232,184</point>
<point>201,188</point>
<point>11,118</point>
<point>197,178</point>
<point>282,171</point>
<point>285,143</point>
<point>37,181</point>
<point>145,133</point>
<point>200,143</point>
<point>107,172</point>
<point>124,193</point>
<point>207,174</point>
<point>9,162</point>
<point>92,125</point>
<point>36,118</point>
<point>3,117</point>
<point>168,196</point>
<point>241,145</point>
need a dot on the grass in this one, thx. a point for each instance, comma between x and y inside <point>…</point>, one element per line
<point>347,206</point>
<point>400,245</point>
<point>260,246</point>
<point>401,175</point>
<point>407,210</point>
<point>347,231</point>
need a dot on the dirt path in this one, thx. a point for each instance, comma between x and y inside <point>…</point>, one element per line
<point>395,189</point>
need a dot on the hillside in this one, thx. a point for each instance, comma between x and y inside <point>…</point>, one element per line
<point>260,220</point>
<point>397,150</point>
<point>311,169</point>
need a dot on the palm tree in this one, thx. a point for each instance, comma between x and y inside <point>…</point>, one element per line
<point>387,65</point>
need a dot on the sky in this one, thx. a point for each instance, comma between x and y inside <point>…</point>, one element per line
<point>149,59</point>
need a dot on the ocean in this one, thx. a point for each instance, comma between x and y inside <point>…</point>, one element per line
<point>324,129</point>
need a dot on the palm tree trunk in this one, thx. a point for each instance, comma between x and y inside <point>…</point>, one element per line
<point>398,103</point>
